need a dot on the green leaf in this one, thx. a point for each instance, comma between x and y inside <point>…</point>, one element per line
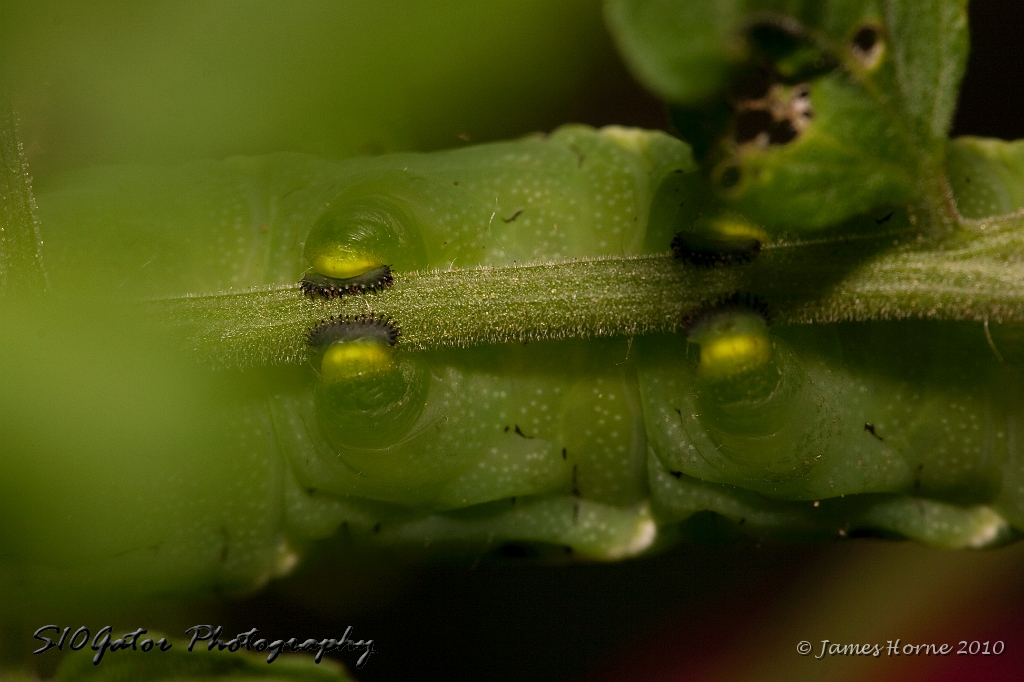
<point>847,161</point>
<point>805,114</point>
<point>929,46</point>
<point>681,50</point>
<point>688,50</point>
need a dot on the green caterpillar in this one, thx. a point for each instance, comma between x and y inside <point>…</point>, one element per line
<point>131,470</point>
<point>599,448</point>
<point>229,473</point>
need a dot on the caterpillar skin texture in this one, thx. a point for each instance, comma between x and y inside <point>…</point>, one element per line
<point>604,447</point>
<point>117,234</point>
<point>246,221</point>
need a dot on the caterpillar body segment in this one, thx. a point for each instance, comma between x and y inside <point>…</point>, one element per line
<point>608,447</point>
<point>818,417</point>
<point>254,221</point>
<point>493,424</point>
<point>930,417</point>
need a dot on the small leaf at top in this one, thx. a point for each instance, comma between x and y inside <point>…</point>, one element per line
<point>804,114</point>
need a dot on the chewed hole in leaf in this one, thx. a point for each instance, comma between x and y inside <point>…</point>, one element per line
<point>781,132</point>
<point>776,119</point>
<point>867,46</point>
<point>865,39</point>
<point>751,123</point>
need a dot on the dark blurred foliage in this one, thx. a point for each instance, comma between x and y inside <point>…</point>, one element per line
<point>992,96</point>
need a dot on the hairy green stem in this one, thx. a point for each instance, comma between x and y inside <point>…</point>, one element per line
<point>974,274</point>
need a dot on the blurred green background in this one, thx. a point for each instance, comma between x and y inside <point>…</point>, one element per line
<point>116,81</point>
<point>160,82</point>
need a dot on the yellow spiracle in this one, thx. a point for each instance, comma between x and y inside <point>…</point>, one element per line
<point>729,356</point>
<point>719,239</point>
<point>732,228</point>
<point>347,360</point>
<point>339,262</point>
<point>731,343</point>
